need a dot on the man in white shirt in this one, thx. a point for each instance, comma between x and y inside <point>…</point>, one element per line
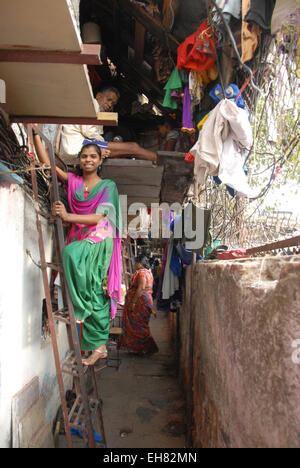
<point>70,138</point>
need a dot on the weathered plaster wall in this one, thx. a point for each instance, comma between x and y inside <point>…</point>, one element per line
<point>240,358</point>
<point>23,353</point>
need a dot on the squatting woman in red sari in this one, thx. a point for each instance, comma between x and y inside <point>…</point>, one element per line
<point>137,311</point>
<point>93,246</point>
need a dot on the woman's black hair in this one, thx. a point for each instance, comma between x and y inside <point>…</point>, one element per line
<point>79,171</point>
<point>143,260</point>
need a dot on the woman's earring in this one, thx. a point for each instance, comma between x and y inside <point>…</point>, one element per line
<point>99,170</point>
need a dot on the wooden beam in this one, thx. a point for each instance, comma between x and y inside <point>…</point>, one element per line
<point>108,117</point>
<point>139,46</point>
<point>63,120</point>
<point>117,162</point>
<point>128,162</point>
<point>284,244</point>
<point>89,55</point>
<point>154,26</point>
<point>116,28</point>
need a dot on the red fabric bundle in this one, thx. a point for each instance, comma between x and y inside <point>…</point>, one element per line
<point>198,51</point>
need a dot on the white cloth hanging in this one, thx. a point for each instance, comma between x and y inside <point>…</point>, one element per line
<point>71,137</point>
<point>221,146</point>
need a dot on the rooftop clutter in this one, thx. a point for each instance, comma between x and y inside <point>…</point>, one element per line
<point>225,134</point>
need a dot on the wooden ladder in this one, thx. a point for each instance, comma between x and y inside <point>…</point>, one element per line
<point>85,413</point>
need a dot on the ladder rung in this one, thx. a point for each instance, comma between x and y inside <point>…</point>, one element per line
<point>61,311</point>
<point>75,405</point>
<point>100,368</point>
<point>70,372</point>
<point>116,331</point>
<point>44,214</point>
<point>54,266</point>
<point>69,361</point>
<point>77,411</point>
<point>61,315</point>
<point>59,318</point>
<point>69,365</point>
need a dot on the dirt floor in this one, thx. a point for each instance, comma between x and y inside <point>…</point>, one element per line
<point>143,406</point>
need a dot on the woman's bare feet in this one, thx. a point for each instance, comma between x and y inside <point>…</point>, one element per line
<point>98,353</point>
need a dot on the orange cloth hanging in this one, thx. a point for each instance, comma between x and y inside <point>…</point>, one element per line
<point>251,34</point>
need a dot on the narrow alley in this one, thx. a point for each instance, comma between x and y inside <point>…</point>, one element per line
<point>143,404</point>
<point>149,225</point>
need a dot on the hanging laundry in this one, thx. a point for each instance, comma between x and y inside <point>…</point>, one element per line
<point>186,256</point>
<point>196,86</point>
<point>232,92</point>
<point>175,264</point>
<point>229,189</point>
<point>232,254</point>
<point>193,228</point>
<point>221,146</point>
<point>230,8</point>
<point>203,120</point>
<point>174,84</point>
<point>197,52</point>
<point>212,73</point>
<point>250,36</point>
<point>170,8</point>
<point>170,281</point>
<point>187,120</point>
<point>191,13</point>
<point>261,12</point>
<point>284,12</point>
<point>199,80</point>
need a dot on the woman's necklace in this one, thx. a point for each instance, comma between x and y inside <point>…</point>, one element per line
<point>93,183</point>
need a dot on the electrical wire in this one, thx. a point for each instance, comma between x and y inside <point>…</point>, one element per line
<point>231,37</point>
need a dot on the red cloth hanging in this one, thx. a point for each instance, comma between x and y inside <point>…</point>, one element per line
<point>189,158</point>
<point>198,51</point>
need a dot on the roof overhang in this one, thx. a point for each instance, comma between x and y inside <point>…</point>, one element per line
<point>42,62</point>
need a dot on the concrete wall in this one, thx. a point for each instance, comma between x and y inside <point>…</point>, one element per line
<point>239,346</point>
<point>23,352</point>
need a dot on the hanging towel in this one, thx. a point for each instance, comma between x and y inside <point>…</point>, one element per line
<point>174,84</point>
<point>187,121</point>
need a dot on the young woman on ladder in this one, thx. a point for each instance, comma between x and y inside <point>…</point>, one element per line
<point>93,246</point>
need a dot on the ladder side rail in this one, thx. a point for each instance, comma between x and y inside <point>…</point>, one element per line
<point>74,333</point>
<point>48,301</point>
<point>75,338</point>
